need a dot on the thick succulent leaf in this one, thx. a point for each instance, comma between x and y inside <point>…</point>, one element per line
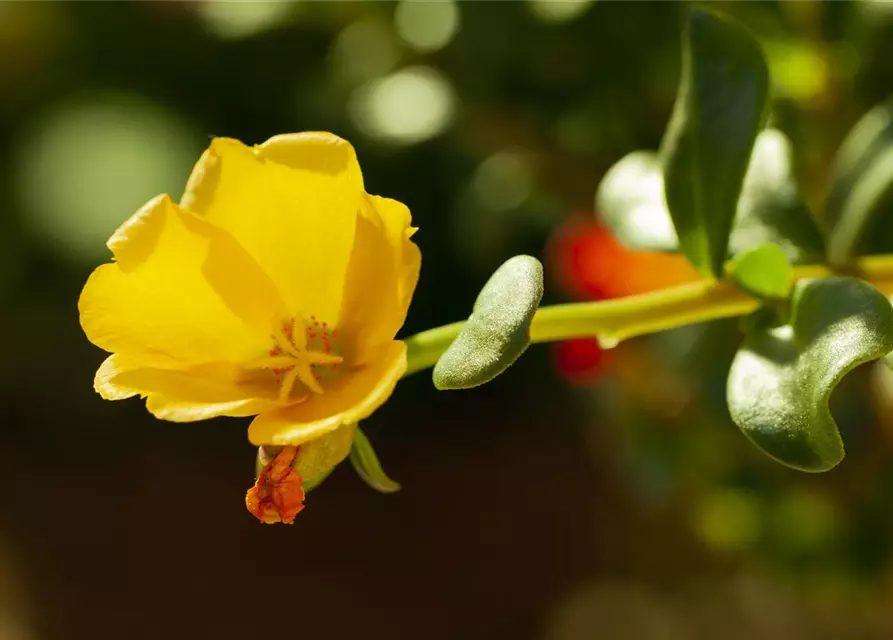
<point>367,466</point>
<point>771,208</point>
<point>631,202</point>
<point>498,330</point>
<point>719,110</point>
<point>862,188</point>
<point>782,377</point>
<point>764,272</point>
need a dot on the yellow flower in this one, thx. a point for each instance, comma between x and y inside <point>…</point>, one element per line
<point>275,288</point>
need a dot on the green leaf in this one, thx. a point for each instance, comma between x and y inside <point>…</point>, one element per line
<point>498,330</point>
<point>719,110</point>
<point>631,202</point>
<point>862,188</point>
<point>782,377</point>
<point>367,466</point>
<point>771,207</point>
<point>764,272</point>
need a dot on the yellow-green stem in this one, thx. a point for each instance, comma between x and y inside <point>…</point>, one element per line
<point>611,321</point>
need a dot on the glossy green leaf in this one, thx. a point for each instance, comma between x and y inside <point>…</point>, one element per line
<point>315,459</point>
<point>367,466</point>
<point>719,110</point>
<point>782,377</point>
<point>630,200</point>
<point>498,330</point>
<point>863,184</point>
<point>771,207</point>
<point>764,272</point>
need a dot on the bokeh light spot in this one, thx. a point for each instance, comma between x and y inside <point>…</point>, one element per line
<point>235,20</point>
<point>613,610</point>
<point>406,107</point>
<point>876,9</point>
<point>558,11</point>
<point>729,520</point>
<point>85,167</point>
<point>364,50</point>
<point>804,521</point>
<point>32,34</point>
<point>799,69</point>
<point>503,181</point>
<point>427,26</point>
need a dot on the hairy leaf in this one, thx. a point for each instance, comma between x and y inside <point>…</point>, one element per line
<point>498,330</point>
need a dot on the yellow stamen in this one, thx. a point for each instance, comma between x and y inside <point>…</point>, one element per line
<point>306,376</point>
<point>272,362</point>
<point>295,359</point>
<point>318,357</point>
<point>284,343</point>
<point>287,384</point>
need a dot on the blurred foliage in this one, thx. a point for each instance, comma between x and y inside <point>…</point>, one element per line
<point>625,502</point>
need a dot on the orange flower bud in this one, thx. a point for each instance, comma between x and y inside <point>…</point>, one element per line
<point>277,496</point>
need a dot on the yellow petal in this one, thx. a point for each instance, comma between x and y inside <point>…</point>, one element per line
<point>113,376</point>
<point>199,392</point>
<point>382,276</point>
<point>166,408</point>
<point>115,372</point>
<point>315,151</point>
<point>296,221</point>
<point>237,278</point>
<point>104,380</point>
<point>156,306</point>
<point>346,400</point>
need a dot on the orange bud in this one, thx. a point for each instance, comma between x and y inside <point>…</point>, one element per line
<point>277,495</point>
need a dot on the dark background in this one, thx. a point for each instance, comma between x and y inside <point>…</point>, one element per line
<point>580,495</point>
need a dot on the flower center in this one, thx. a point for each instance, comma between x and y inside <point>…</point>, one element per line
<point>302,354</point>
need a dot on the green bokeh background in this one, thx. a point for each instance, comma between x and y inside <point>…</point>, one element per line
<point>628,507</point>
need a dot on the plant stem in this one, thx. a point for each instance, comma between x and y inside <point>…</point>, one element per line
<point>611,321</point>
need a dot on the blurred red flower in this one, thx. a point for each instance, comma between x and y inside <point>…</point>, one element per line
<point>587,262</point>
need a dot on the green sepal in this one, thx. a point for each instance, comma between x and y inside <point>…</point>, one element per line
<point>782,377</point>
<point>498,330</point>
<point>862,187</point>
<point>764,272</point>
<point>720,108</point>
<point>367,466</point>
